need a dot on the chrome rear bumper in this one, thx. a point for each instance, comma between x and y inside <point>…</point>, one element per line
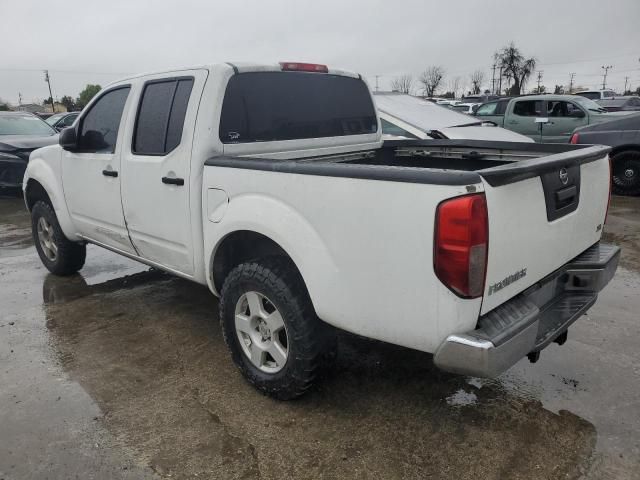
<point>533,319</point>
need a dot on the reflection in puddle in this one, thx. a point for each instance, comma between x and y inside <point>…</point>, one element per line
<point>462,399</point>
<point>149,350</point>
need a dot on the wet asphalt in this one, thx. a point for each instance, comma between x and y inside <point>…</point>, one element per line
<point>121,372</point>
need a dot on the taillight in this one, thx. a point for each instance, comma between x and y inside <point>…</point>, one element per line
<point>461,244</point>
<point>606,215</point>
<point>574,138</point>
<point>303,67</point>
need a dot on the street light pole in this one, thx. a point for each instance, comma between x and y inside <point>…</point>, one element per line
<point>571,83</point>
<point>604,77</point>
<point>46,79</point>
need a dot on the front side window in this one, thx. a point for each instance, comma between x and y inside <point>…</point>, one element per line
<point>163,107</point>
<point>487,109</point>
<point>68,120</point>
<point>271,106</point>
<point>99,128</point>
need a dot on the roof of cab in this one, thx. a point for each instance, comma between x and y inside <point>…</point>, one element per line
<point>237,67</point>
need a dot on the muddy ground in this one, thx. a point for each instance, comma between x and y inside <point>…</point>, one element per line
<point>121,372</point>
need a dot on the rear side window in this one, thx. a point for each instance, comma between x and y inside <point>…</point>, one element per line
<point>161,114</point>
<point>270,106</point>
<point>528,108</point>
<point>99,130</point>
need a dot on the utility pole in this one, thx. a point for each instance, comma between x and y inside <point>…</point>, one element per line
<point>19,98</point>
<point>626,80</point>
<point>571,83</point>
<point>539,79</point>
<point>377,88</point>
<point>493,79</point>
<point>500,82</point>
<point>604,77</point>
<point>46,79</point>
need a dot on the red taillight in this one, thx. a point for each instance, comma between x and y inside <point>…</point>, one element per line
<point>303,67</point>
<point>606,215</point>
<point>575,138</point>
<point>461,244</point>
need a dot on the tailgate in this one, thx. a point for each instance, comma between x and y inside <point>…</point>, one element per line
<point>542,213</point>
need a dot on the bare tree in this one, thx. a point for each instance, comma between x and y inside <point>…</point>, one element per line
<point>431,79</point>
<point>454,86</point>
<point>515,67</point>
<point>402,84</point>
<point>477,79</point>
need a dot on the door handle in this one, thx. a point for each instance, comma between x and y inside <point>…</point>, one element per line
<point>109,173</point>
<point>173,181</point>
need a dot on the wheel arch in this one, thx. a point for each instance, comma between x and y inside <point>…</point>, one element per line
<point>241,246</point>
<point>631,147</point>
<point>43,182</point>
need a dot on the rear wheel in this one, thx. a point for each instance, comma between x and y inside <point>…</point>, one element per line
<point>60,255</point>
<point>626,173</point>
<point>271,329</point>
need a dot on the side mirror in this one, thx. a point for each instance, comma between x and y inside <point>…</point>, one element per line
<point>68,139</point>
<point>578,114</point>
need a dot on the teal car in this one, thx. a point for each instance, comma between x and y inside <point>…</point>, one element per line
<point>545,118</point>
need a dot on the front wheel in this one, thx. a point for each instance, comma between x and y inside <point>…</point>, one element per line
<point>60,255</point>
<point>271,329</point>
<point>626,173</point>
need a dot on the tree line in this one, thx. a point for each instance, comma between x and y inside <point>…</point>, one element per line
<point>514,69</point>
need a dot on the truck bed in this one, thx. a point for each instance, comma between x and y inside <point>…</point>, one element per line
<point>440,162</point>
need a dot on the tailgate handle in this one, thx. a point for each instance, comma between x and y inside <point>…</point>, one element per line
<point>566,195</point>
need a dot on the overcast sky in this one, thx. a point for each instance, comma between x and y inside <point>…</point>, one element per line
<point>88,41</point>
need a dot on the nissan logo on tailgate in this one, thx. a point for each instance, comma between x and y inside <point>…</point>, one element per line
<point>564,176</point>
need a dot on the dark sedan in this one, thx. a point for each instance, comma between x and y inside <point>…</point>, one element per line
<point>623,135</point>
<point>20,134</point>
<point>620,104</point>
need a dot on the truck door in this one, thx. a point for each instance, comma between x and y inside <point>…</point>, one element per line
<point>521,117</point>
<point>156,164</point>
<point>563,117</point>
<point>91,175</point>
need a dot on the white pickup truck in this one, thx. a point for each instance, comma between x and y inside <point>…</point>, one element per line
<point>271,185</point>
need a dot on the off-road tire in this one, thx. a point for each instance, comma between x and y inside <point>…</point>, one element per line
<point>70,256</point>
<point>622,162</point>
<point>311,342</point>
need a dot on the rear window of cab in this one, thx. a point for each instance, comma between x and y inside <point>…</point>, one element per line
<point>272,106</point>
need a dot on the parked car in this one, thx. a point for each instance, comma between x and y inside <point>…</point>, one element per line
<point>62,120</point>
<point>20,134</point>
<point>271,185</point>
<point>544,118</point>
<point>468,108</point>
<point>596,94</point>
<point>623,134</point>
<point>447,102</point>
<point>479,98</point>
<point>618,104</point>
<point>405,116</point>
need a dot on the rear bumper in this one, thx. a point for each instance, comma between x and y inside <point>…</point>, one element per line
<point>533,319</point>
